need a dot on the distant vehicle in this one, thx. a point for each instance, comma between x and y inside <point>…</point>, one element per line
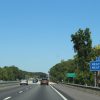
<point>35,80</point>
<point>24,82</point>
<point>44,81</point>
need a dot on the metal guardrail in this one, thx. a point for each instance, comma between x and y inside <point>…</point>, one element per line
<point>83,86</point>
<point>8,83</point>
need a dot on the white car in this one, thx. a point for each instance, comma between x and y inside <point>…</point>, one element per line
<point>24,82</point>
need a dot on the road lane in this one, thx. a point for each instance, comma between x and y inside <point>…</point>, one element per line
<point>14,91</point>
<point>43,92</point>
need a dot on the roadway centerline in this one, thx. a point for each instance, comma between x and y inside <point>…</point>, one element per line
<point>7,98</point>
<point>64,98</point>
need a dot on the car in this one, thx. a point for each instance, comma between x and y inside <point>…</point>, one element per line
<point>35,80</point>
<point>44,81</point>
<point>24,82</point>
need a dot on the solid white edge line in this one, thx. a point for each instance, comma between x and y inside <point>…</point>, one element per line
<point>7,98</point>
<point>58,93</point>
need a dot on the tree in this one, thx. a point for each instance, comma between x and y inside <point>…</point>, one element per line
<point>12,73</point>
<point>80,64</point>
<point>59,71</point>
<point>83,47</point>
<point>1,73</point>
<point>95,51</point>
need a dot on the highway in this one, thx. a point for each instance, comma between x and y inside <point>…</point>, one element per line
<point>44,92</point>
<point>30,92</point>
<point>72,93</point>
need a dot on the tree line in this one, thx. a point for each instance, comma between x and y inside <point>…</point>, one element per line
<point>84,53</point>
<point>13,73</point>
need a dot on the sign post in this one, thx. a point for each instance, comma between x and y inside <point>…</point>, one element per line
<point>95,66</point>
<point>95,79</point>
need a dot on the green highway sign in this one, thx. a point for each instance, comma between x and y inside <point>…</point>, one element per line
<point>73,75</point>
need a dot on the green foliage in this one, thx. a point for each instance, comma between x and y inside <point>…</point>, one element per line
<point>80,64</point>
<point>58,72</point>
<point>12,73</point>
<point>95,51</point>
<point>83,47</point>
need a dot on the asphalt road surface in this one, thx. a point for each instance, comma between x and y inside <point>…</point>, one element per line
<point>72,93</point>
<point>44,92</point>
<point>30,92</point>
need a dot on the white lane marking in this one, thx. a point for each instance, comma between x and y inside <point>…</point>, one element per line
<point>7,98</point>
<point>20,91</point>
<point>59,93</point>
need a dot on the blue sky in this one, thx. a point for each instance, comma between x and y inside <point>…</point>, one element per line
<point>35,34</point>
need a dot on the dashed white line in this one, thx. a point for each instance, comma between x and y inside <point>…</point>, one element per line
<point>7,98</point>
<point>64,98</point>
<point>20,91</point>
